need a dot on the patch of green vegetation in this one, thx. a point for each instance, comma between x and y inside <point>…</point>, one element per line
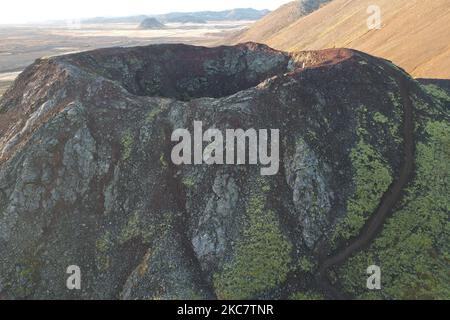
<point>188,182</point>
<point>265,188</point>
<point>163,162</point>
<point>135,228</point>
<point>151,116</point>
<point>421,105</point>
<point>436,92</point>
<point>372,179</point>
<point>103,243</point>
<point>306,296</point>
<point>437,108</point>
<point>26,277</point>
<point>396,101</point>
<point>305,264</point>
<point>127,145</point>
<point>131,230</point>
<point>262,256</point>
<point>189,294</point>
<point>413,250</point>
<point>372,174</point>
<point>393,127</point>
<point>380,118</point>
<point>102,246</point>
<point>3,203</point>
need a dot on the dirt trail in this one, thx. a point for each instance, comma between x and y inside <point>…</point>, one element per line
<point>375,224</point>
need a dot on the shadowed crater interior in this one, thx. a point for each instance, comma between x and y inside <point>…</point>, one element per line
<point>185,72</point>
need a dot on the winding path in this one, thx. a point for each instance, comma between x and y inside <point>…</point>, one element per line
<point>375,223</point>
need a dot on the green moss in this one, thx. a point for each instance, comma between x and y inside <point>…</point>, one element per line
<point>436,109</point>
<point>3,203</point>
<point>262,256</point>
<point>127,145</point>
<point>190,295</point>
<point>163,162</point>
<point>396,101</point>
<point>188,182</point>
<point>394,123</point>
<point>151,116</point>
<point>306,296</point>
<point>392,126</point>
<point>380,118</point>
<point>436,92</point>
<point>266,188</point>
<point>372,174</point>
<point>132,229</point>
<point>440,98</point>
<point>102,246</point>
<point>413,250</point>
<point>26,277</point>
<point>372,179</point>
<point>135,228</point>
<point>305,264</point>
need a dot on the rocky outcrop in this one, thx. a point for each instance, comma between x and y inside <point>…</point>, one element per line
<point>86,176</point>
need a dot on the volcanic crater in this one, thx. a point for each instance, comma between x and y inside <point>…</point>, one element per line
<point>86,176</point>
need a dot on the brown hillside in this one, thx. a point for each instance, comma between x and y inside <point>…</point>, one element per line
<point>279,19</point>
<point>414,34</point>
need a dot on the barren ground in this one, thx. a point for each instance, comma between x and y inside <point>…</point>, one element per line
<point>414,34</point>
<point>21,45</point>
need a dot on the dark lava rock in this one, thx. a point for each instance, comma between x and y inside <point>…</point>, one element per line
<point>86,177</point>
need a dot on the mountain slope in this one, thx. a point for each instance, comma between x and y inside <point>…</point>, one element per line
<point>414,34</point>
<point>277,20</point>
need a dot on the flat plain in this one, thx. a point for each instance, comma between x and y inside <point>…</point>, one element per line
<point>21,45</point>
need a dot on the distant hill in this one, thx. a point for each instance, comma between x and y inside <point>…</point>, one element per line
<point>189,18</point>
<point>129,19</point>
<point>414,34</point>
<point>277,20</point>
<point>151,24</point>
<point>234,14</point>
<point>245,14</point>
<point>196,17</point>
